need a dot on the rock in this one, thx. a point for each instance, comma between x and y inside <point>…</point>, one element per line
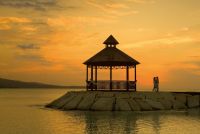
<point>122,105</point>
<point>73,103</point>
<point>152,96</point>
<point>87,101</point>
<point>133,104</point>
<point>144,105</point>
<point>156,96</point>
<point>166,103</point>
<point>60,102</point>
<point>105,94</point>
<point>124,101</point>
<point>193,101</point>
<point>178,105</point>
<point>103,104</point>
<point>155,104</point>
<point>166,96</point>
<point>137,95</point>
<point>181,97</point>
<point>122,95</point>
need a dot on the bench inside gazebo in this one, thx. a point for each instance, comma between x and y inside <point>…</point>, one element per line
<point>110,58</point>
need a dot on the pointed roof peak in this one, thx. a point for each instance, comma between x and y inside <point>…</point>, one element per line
<point>111,41</point>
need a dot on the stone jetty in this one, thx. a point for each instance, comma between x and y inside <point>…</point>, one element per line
<point>125,101</point>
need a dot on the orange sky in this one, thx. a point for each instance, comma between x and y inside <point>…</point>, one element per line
<point>48,40</point>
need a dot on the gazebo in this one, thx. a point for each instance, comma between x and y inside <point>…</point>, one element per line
<point>110,58</point>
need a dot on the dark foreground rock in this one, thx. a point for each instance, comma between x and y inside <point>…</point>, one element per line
<point>124,101</point>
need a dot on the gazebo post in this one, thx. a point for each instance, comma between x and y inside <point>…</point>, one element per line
<point>91,77</point>
<point>96,77</point>
<point>110,77</point>
<point>127,78</point>
<point>87,77</point>
<point>135,79</point>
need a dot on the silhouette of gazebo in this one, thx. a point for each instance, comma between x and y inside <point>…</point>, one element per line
<point>110,58</point>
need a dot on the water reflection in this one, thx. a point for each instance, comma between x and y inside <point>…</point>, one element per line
<point>136,123</point>
<point>120,122</point>
<point>22,112</point>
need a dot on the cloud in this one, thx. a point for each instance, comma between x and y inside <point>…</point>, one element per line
<point>163,41</point>
<point>195,63</point>
<point>33,58</point>
<point>37,5</point>
<point>17,30</point>
<point>6,20</point>
<point>29,57</point>
<point>191,66</point>
<point>40,5</point>
<point>22,23</point>
<point>107,4</point>
<point>5,27</point>
<point>195,56</point>
<point>182,79</point>
<point>28,46</point>
<point>7,23</point>
<point>118,8</point>
<point>142,1</point>
<point>112,7</point>
<point>72,22</point>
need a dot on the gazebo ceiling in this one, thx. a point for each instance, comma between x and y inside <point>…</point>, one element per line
<point>111,56</point>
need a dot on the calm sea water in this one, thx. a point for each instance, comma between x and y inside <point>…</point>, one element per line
<point>22,112</point>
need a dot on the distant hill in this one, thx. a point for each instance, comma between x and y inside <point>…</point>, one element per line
<point>6,83</point>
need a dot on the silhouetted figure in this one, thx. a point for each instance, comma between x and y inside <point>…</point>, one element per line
<point>156,84</point>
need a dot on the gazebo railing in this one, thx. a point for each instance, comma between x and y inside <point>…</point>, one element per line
<point>116,84</point>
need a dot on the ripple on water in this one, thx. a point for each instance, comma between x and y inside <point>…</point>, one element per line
<point>21,112</point>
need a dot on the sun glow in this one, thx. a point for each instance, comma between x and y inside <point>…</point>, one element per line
<point>54,39</point>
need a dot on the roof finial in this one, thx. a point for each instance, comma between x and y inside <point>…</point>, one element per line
<point>110,41</point>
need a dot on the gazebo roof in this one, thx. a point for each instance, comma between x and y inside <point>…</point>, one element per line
<point>111,41</point>
<point>111,56</point>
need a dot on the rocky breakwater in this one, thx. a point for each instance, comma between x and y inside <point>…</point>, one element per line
<point>125,101</point>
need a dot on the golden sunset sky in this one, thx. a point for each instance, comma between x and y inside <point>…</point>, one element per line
<point>48,40</point>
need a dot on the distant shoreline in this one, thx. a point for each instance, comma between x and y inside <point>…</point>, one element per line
<point>6,83</point>
<point>42,87</point>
